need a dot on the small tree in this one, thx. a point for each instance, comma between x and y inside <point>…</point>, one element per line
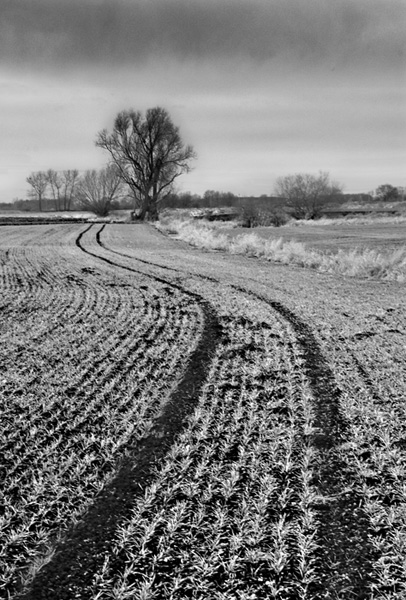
<point>55,183</point>
<point>149,153</point>
<point>387,192</point>
<point>96,190</point>
<point>305,194</point>
<point>39,182</point>
<point>69,182</point>
<point>257,216</point>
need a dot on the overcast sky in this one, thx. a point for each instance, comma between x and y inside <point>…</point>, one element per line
<point>260,88</point>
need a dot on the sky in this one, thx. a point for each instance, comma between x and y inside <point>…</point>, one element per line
<point>260,88</point>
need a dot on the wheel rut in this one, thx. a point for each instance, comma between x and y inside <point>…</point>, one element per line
<point>345,556</point>
<point>149,263</point>
<point>85,545</point>
<point>145,262</point>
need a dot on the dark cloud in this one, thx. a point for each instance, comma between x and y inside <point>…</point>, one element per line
<point>121,32</point>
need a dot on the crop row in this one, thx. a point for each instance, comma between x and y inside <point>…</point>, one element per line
<point>352,549</point>
<point>354,465</point>
<point>377,451</point>
<point>229,514</point>
<point>30,308</point>
<point>76,394</point>
<point>357,545</point>
<point>283,484</point>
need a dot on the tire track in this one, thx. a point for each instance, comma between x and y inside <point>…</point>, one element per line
<point>149,263</point>
<point>146,262</point>
<point>83,550</point>
<point>342,524</point>
<point>66,308</point>
<point>55,415</point>
<point>345,554</point>
<point>217,478</point>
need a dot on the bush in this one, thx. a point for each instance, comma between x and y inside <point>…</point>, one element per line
<point>253,216</point>
<point>278,218</point>
<point>203,236</point>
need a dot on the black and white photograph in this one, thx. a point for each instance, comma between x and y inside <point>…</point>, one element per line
<point>203,300</point>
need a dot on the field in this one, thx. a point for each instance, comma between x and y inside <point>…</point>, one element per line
<point>331,236</point>
<point>186,424</point>
<point>19,217</point>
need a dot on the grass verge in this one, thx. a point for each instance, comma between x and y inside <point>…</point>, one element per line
<point>390,265</point>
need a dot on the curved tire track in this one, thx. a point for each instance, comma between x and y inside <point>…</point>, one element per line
<point>84,547</point>
<point>149,263</point>
<point>343,525</point>
<point>345,554</point>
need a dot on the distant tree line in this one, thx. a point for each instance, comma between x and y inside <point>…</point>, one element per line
<point>146,155</point>
<point>99,191</point>
<point>103,191</point>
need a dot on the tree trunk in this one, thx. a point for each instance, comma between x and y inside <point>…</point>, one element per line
<point>152,213</point>
<point>142,213</point>
<point>148,211</point>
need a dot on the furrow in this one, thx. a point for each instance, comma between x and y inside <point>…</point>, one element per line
<point>68,405</point>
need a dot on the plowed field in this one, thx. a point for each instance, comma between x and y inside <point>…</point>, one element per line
<point>179,424</point>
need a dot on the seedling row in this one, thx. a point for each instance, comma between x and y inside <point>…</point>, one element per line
<point>76,394</point>
<point>265,493</point>
<point>231,507</point>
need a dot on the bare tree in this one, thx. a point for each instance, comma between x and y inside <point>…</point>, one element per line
<point>39,182</point>
<point>69,182</point>
<point>305,194</point>
<point>149,153</point>
<point>55,183</point>
<point>96,190</point>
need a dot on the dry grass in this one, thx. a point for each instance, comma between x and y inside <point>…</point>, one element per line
<point>350,221</point>
<point>352,262</point>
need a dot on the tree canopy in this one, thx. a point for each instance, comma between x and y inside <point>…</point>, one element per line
<point>305,193</point>
<point>97,190</point>
<point>39,182</point>
<point>149,153</point>
<point>387,192</point>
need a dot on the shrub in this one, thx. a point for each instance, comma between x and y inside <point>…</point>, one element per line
<point>249,244</point>
<point>253,216</point>
<point>278,218</point>
<point>203,236</point>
